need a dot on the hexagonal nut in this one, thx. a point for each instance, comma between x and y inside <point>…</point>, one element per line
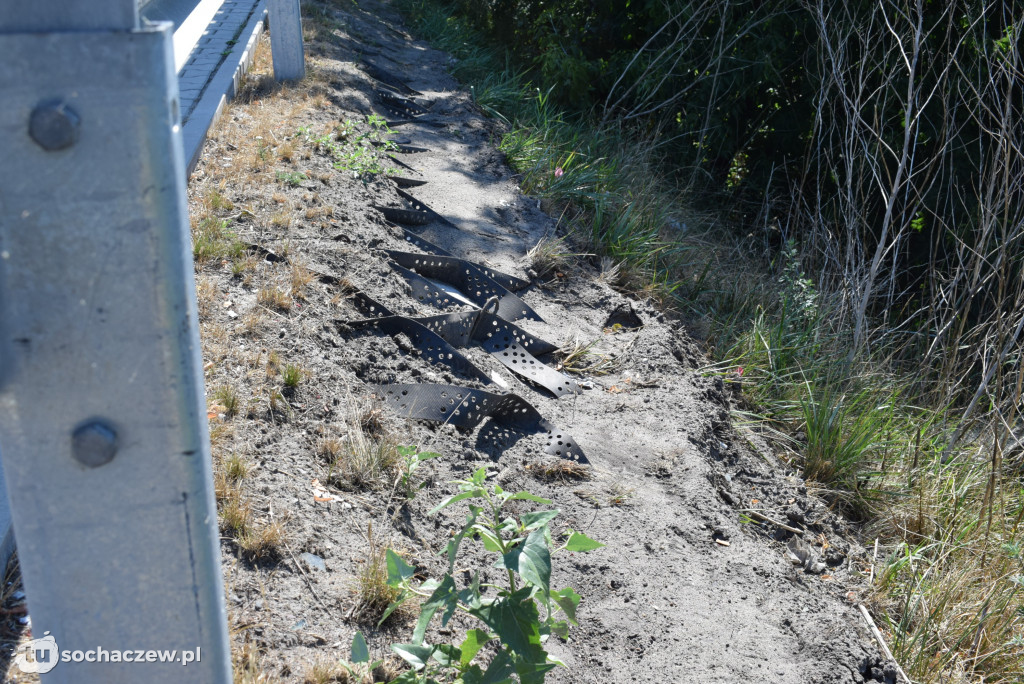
<point>94,444</point>
<point>54,125</point>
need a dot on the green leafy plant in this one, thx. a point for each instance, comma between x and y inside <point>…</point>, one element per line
<point>359,666</point>
<point>512,619</point>
<point>358,152</point>
<point>293,178</point>
<point>412,457</point>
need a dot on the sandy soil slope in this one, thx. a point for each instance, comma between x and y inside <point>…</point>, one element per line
<point>687,588</point>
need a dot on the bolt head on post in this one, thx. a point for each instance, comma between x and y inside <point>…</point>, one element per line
<point>54,125</point>
<point>94,444</point>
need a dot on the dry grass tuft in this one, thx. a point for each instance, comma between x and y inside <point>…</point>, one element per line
<point>374,594</point>
<point>559,471</point>
<point>326,670</point>
<point>550,256</point>
<point>300,279</point>
<point>247,665</point>
<point>578,357</point>
<point>274,298</point>
<point>206,295</point>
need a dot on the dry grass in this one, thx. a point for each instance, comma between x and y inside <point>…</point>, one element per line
<point>577,357</point>
<point>247,665</point>
<point>373,594</point>
<point>274,298</point>
<point>300,279</point>
<point>559,471</point>
<point>550,256</point>
<point>326,670</point>
<point>206,295</point>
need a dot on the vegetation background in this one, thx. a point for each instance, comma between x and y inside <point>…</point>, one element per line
<point>832,194</point>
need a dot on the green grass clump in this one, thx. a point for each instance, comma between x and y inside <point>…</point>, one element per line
<point>212,241</point>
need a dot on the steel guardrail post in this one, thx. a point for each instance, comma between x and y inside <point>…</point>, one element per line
<point>286,39</point>
<point>102,415</point>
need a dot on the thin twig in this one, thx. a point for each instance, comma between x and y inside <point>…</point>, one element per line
<point>881,642</point>
<point>761,516</point>
<point>309,582</point>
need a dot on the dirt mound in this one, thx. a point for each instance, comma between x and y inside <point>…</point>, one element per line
<point>693,584</point>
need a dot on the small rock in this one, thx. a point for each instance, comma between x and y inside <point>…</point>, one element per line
<point>313,561</point>
<point>795,515</point>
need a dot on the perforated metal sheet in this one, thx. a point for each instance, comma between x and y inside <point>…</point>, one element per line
<point>504,279</point>
<point>400,147</point>
<point>400,104</point>
<point>421,207</point>
<point>403,182</point>
<point>431,346</point>
<point>401,120</point>
<point>416,214</point>
<point>467,408</point>
<point>398,162</point>
<point>469,279</point>
<point>388,79</point>
<point>507,343</point>
<point>406,217</point>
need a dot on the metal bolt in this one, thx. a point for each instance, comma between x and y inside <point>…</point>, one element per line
<point>94,444</point>
<point>54,125</point>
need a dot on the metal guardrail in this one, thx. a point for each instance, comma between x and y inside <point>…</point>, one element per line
<point>102,412</point>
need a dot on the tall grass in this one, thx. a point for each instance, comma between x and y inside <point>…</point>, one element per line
<point>875,439</point>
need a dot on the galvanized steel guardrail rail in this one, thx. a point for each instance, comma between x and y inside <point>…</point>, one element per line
<point>103,434</point>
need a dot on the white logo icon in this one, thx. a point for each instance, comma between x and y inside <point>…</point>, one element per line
<point>38,655</point>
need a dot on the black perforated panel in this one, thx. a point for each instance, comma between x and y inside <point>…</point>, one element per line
<point>467,278</point>
<point>467,408</point>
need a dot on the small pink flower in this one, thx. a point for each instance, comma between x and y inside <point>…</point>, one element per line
<point>739,370</point>
<point>559,172</point>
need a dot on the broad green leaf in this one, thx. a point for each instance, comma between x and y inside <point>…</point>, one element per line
<point>490,540</point>
<point>444,595</point>
<point>555,661</point>
<point>454,498</point>
<point>567,600</point>
<point>406,451</point>
<point>479,476</point>
<point>475,639</point>
<point>447,655</point>
<point>535,519</point>
<point>407,677</point>
<point>532,672</point>
<point>415,655</point>
<point>581,542</point>
<point>360,653</point>
<point>398,569</point>
<point>532,560</point>
<point>560,628</point>
<point>499,671</point>
<point>527,496</point>
<point>430,585</point>
<point>471,594</point>
<point>427,455</point>
<point>515,621</point>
